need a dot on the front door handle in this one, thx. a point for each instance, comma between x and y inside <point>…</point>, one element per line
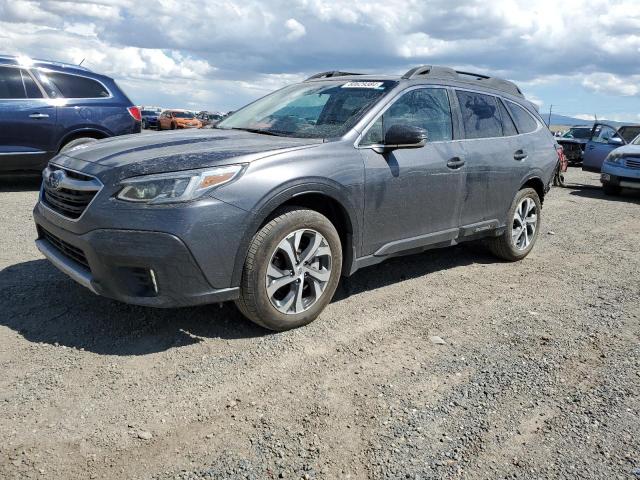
<point>455,162</point>
<point>520,155</point>
<point>38,115</point>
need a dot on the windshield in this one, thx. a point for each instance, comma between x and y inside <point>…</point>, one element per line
<point>148,112</point>
<point>629,133</point>
<point>582,132</point>
<point>183,115</point>
<point>309,110</point>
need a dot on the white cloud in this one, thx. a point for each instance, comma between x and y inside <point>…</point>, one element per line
<point>610,83</point>
<point>296,29</point>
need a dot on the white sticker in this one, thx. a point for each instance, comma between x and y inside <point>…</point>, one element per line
<point>363,85</point>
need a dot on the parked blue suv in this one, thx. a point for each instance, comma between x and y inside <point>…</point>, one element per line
<point>49,107</point>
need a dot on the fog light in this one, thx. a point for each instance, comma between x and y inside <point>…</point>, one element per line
<point>605,177</point>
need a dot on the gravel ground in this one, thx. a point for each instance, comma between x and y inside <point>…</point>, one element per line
<point>537,375</point>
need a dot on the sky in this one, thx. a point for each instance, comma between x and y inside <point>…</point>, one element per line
<point>581,56</point>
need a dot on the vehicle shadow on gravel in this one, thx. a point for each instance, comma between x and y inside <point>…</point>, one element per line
<point>20,183</point>
<point>590,191</point>
<point>44,306</point>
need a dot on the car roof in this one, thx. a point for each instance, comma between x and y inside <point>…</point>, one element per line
<point>438,75</point>
<point>27,62</point>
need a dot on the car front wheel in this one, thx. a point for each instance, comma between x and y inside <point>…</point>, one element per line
<point>291,271</point>
<point>523,225</point>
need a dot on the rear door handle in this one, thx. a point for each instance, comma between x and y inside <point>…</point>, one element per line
<point>38,115</point>
<point>520,155</point>
<point>455,162</point>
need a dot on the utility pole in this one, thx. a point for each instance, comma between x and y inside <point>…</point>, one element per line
<point>550,110</point>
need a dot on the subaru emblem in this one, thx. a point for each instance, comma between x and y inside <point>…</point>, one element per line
<point>55,179</point>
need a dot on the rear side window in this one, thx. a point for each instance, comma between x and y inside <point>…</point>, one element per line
<point>508,127</point>
<point>73,86</point>
<point>16,83</point>
<point>479,115</point>
<point>524,120</point>
<point>426,108</point>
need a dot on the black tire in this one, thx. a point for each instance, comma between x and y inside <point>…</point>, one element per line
<point>504,246</point>
<point>75,142</point>
<point>254,302</point>
<point>611,190</point>
<point>144,125</point>
<point>559,179</point>
<point>173,126</point>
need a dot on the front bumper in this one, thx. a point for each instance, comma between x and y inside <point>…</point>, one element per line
<point>619,175</point>
<point>138,267</point>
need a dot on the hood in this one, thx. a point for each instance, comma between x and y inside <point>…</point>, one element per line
<point>629,150</point>
<point>160,152</point>
<point>579,141</point>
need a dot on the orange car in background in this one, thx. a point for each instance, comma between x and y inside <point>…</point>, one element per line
<point>172,119</point>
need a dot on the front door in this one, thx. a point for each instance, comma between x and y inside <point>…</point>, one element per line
<point>412,196</point>
<point>598,147</point>
<point>27,122</point>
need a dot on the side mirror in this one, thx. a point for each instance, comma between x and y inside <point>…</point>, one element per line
<point>617,141</point>
<point>403,136</point>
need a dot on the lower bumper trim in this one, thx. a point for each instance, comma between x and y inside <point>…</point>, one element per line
<point>64,264</point>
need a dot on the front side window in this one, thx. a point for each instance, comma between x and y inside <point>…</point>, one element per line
<point>426,108</point>
<point>16,83</point>
<point>479,115</point>
<point>602,134</point>
<point>73,86</point>
<point>326,109</point>
<point>524,120</point>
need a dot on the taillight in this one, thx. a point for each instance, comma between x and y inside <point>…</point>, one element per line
<point>562,158</point>
<point>135,113</point>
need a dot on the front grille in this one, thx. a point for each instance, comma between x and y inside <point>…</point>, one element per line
<point>632,163</point>
<point>67,192</point>
<point>68,250</point>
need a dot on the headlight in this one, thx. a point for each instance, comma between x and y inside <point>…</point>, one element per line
<point>614,158</point>
<point>176,186</point>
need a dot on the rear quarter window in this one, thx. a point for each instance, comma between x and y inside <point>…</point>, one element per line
<point>73,86</point>
<point>524,120</point>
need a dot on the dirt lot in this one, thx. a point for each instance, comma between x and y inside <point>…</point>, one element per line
<point>539,376</point>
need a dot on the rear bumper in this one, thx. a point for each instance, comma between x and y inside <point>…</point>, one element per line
<point>138,267</point>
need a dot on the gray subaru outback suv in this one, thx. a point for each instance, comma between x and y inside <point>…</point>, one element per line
<point>311,182</point>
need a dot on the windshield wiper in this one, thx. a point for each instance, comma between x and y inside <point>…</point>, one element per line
<point>259,131</point>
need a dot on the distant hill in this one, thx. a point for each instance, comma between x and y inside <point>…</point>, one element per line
<point>562,120</point>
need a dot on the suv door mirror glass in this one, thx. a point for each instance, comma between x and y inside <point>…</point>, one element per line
<point>617,141</point>
<point>405,136</point>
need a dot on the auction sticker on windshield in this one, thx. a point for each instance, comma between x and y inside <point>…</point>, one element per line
<point>375,85</point>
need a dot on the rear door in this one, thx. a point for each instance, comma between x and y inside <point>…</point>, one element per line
<point>598,147</point>
<point>412,196</point>
<point>27,122</point>
<point>489,148</point>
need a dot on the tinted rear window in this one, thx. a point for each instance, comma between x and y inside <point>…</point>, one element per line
<point>524,120</point>
<point>16,83</point>
<point>479,115</point>
<point>508,127</point>
<point>73,86</point>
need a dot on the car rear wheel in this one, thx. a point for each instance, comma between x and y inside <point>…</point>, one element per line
<point>291,271</point>
<point>523,225</point>
<point>75,142</point>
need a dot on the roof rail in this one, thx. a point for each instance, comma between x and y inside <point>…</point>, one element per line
<point>330,74</point>
<point>34,61</point>
<point>436,71</point>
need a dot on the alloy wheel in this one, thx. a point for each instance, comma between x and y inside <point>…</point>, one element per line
<point>298,271</point>
<point>525,221</point>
